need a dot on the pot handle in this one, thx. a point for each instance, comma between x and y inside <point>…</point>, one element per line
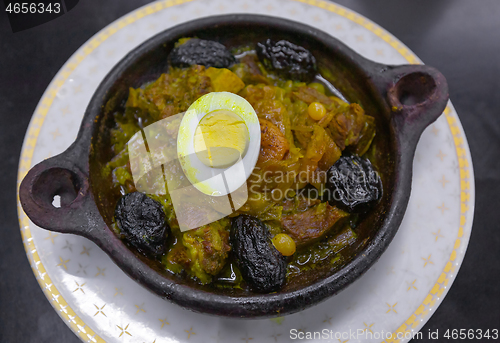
<point>59,176</point>
<point>416,95</point>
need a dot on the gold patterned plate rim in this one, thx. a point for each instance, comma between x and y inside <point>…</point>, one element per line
<point>421,313</point>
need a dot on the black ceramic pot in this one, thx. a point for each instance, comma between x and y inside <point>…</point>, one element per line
<point>403,99</point>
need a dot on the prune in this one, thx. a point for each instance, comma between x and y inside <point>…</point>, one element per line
<point>262,266</point>
<point>142,222</point>
<point>203,52</point>
<point>353,184</point>
<point>287,59</point>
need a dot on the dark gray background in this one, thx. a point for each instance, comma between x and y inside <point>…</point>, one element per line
<point>459,37</point>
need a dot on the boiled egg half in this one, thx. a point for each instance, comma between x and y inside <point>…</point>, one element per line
<point>219,135</point>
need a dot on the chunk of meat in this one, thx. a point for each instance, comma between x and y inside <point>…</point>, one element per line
<point>273,144</point>
<point>309,95</point>
<point>208,248</point>
<point>251,72</point>
<point>267,104</point>
<point>251,62</point>
<point>317,177</point>
<point>314,153</point>
<point>331,155</point>
<point>299,204</point>
<point>177,258</point>
<point>352,126</point>
<point>310,226</point>
<point>173,93</point>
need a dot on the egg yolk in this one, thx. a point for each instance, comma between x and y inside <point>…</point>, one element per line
<point>221,138</point>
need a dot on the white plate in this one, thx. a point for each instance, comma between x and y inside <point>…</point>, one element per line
<point>396,296</point>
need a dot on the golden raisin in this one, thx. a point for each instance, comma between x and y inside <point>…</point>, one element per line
<point>284,244</point>
<point>316,110</point>
<point>318,86</point>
